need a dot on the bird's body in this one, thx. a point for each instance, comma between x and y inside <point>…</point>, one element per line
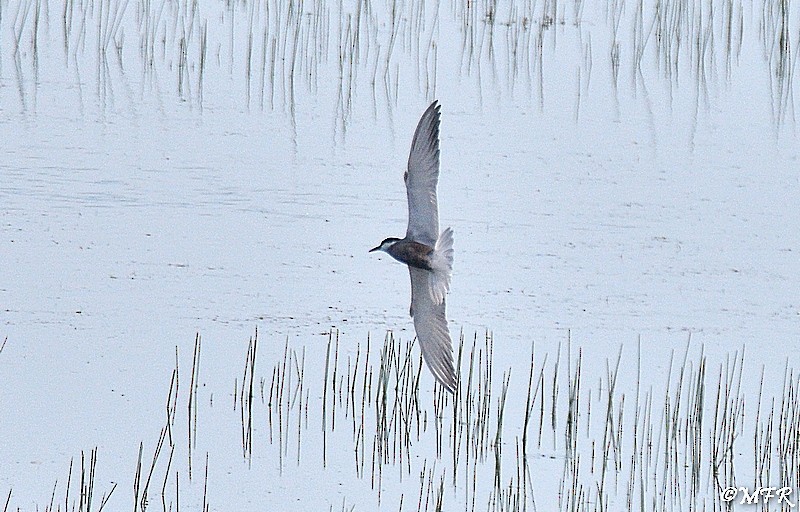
<point>411,253</point>
<point>428,253</point>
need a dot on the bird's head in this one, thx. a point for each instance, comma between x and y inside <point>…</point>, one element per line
<point>385,245</point>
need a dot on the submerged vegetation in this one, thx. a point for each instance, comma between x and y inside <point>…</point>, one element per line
<point>559,433</point>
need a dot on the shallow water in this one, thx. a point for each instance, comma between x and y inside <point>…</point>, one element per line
<point>150,194</point>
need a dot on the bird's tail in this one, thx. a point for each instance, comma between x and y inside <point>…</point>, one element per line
<point>441,266</point>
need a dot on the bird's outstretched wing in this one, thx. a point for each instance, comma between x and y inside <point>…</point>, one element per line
<point>421,179</point>
<point>433,334</point>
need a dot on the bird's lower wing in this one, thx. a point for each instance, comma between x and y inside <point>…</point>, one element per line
<point>433,334</point>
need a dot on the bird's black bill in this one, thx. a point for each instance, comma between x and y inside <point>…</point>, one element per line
<point>375,249</point>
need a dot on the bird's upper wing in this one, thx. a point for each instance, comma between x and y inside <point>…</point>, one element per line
<point>421,179</point>
<point>433,334</point>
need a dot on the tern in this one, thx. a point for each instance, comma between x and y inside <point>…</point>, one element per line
<point>428,253</point>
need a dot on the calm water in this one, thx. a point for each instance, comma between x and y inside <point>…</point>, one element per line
<point>616,177</point>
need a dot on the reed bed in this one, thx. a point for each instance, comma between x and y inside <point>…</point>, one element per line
<point>619,442</point>
<point>273,52</point>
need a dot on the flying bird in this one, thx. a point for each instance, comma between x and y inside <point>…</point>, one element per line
<point>428,253</point>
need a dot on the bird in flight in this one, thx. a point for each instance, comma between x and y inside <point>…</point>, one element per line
<point>428,253</point>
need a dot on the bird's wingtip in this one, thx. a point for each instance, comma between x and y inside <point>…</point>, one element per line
<point>449,385</point>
